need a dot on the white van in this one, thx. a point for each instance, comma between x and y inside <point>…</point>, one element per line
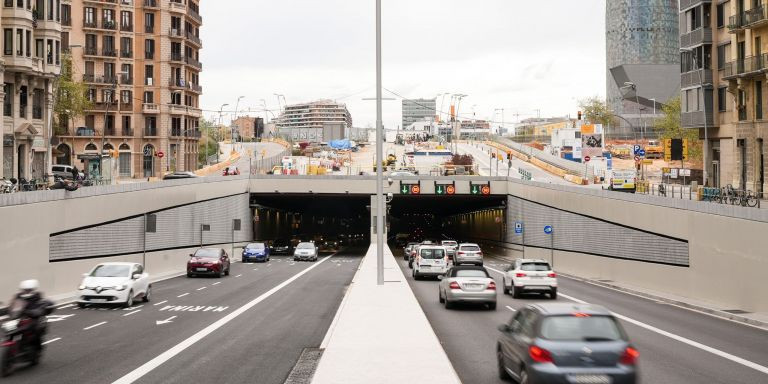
<point>431,260</point>
<point>63,171</point>
<point>623,180</point>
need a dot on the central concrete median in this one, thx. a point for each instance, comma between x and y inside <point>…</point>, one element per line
<point>381,335</point>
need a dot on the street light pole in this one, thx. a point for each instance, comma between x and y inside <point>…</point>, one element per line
<point>379,157</point>
<point>704,98</point>
<point>232,128</point>
<point>221,121</point>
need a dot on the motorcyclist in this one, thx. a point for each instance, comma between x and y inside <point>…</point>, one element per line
<point>29,303</point>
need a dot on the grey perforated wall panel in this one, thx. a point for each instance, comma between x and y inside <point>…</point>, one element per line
<point>583,234</point>
<point>176,228</point>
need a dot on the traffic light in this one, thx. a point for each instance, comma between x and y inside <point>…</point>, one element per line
<point>509,155</point>
<point>579,115</point>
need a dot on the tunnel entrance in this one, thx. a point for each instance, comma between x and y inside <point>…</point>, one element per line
<point>331,221</point>
<point>418,218</point>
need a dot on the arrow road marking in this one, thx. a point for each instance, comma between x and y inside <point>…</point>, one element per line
<point>166,321</point>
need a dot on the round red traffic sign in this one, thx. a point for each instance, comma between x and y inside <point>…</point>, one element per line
<point>587,158</point>
<point>450,190</point>
<point>637,158</point>
<point>415,190</point>
<point>160,154</point>
<point>486,190</point>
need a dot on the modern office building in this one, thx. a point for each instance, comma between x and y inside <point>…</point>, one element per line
<point>317,121</point>
<point>30,63</point>
<point>642,47</point>
<point>415,110</point>
<point>725,44</point>
<point>140,61</point>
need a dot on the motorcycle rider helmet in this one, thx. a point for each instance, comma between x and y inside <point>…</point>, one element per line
<point>28,288</point>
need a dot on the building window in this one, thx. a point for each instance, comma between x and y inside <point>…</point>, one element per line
<point>23,102</point>
<point>127,126</point>
<point>8,100</point>
<point>126,97</point>
<point>150,126</point>
<point>742,105</point>
<point>58,52</point>
<point>148,74</point>
<point>49,51</point>
<point>149,49</point>
<point>37,104</point>
<point>149,97</point>
<point>29,44</point>
<point>8,41</point>
<point>90,17</point>
<point>51,12</point>
<point>39,48</point>
<point>723,55</point>
<point>722,103</point>
<point>721,15</point>
<point>19,42</point>
<point>66,14</point>
<point>149,22</point>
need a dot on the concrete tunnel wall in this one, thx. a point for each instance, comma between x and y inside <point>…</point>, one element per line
<point>726,259</point>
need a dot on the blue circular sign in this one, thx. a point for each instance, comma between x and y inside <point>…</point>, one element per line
<point>548,229</point>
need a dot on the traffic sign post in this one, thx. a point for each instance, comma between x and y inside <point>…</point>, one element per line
<point>586,167</point>
<point>636,149</point>
<point>518,227</point>
<point>480,189</point>
<point>410,189</point>
<point>549,230</point>
<point>445,189</point>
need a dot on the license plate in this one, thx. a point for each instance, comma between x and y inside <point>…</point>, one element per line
<point>472,286</point>
<point>537,277</point>
<point>98,300</point>
<point>589,379</point>
<point>202,269</point>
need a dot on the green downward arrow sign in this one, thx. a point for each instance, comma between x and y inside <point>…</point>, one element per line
<point>474,190</point>
<point>405,189</point>
<point>440,190</point>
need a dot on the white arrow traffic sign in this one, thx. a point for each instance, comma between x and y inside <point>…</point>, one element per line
<point>55,318</point>
<point>166,321</point>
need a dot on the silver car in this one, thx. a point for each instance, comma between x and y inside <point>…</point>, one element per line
<point>468,253</point>
<point>467,284</point>
<point>305,251</point>
<point>450,246</point>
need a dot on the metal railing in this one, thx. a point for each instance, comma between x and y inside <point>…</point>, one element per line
<point>570,167</point>
<point>752,65</point>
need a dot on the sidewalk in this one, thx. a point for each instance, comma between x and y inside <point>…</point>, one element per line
<point>381,335</point>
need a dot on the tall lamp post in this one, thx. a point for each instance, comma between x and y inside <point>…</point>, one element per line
<point>232,133</point>
<point>706,138</point>
<point>112,99</point>
<point>380,211</point>
<point>218,150</point>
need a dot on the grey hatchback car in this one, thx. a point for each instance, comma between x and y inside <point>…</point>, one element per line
<point>566,343</point>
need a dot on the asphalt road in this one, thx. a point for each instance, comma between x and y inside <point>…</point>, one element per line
<point>261,342</point>
<point>469,334</point>
<point>268,149</point>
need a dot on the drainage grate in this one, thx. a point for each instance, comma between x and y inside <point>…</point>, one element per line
<point>736,311</point>
<point>305,367</point>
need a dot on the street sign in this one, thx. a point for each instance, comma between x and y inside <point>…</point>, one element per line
<point>518,227</point>
<point>445,189</point>
<point>480,189</point>
<point>486,190</point>
<point>450,190</point>
<point>636,149</point>
<point>641,153</point>
<point>647,161</point>
<point>548,229</point>
<point>415,189</point>
<point>637,159</point>
<point>587,159</point>
<point>160,154</point>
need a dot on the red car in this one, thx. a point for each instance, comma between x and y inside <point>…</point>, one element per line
<point>231,171</point>
<point>208,261</point>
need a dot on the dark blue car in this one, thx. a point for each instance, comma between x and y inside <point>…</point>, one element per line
<point>255,252</point>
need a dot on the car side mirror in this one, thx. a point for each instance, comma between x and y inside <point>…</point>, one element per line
<point>136,276</point>
<point>504,328</point>
<point>191,255</point>
<point>439,277</point>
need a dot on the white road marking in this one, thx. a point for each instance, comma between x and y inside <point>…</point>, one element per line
<point>94,326</point>
<point>178,348</point>
<point>201,288</point>
<point>52,340</point>
<point>511,309</point>
<point>183,294</point>
<point>238,275</point>
<point>216,283</point>
<point>695,344</point>
<point>3,317</point>
<point>162,302</point>
<point>131,313</point>
<point>133,308</point>
<point>255,269</point>
<point>66,306</point>
<point>55,318</point>
<point>166,321</point>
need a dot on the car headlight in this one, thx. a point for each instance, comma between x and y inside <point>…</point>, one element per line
<point>121,287</point>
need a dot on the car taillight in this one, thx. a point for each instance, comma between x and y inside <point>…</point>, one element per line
<point>520,274</point>
<point>480,254</point>
<point>552,274</point>
<point>491,286</point>
<point>629,357</point>
<point>539,355</point>
<point>454,285</point>
<point>461,253</point>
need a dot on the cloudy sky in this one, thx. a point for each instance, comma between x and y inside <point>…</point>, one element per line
<point>519,55</point>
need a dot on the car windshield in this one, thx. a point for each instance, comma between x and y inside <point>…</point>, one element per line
<point>581,327</point>
<point>432,254</point>
<point>207,253</point>
<point>470,273</point>
<point>450,243</point>
<point>305,246</point>
<point>106,270</point>
<point>255,246</point>
<point>535,267</point>
<point>471,248</point>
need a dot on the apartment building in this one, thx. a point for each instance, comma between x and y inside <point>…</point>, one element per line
<point>140,61</point>
<point>31,61</point>
<point>316,121</point>
<point>248,127</point>
<point>724,85</point>
<point>416,110</point>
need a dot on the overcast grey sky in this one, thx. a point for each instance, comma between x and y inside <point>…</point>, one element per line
<point>512,54</point>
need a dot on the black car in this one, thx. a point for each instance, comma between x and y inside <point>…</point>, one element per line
<point>179,175</point>
<point>565,343</point>
<point>281,247</point>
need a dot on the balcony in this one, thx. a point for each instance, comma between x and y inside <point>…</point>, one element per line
<point>194,39</point>
<point>102,106</point>
<point>91,51</point>
<point>126,106</point>
<point>109,24</point>
<point>176,56</point>
<point>127,3</point>
<point>66,21</point>
<point>90,24</point>
<point>126,80</point>
<point>109,52</point>
<point>149,29</point>
<point>126,54</point>
<point>696,119</point>
<point>109,131</point>
<point>150,131</point>
<point>127,132</point>
<point>177,6</point>
<point>194,63</point>
<point>195,16</point>
<point>753,18</point>
<point>184,110</point>
<point>685,4</point>
<point>150,108</point>
<point>697,37</point>
<point>747,67</point>
<point>85,132</point>
<point>126,28</point>
<point>690,79</point>
<point>177,83</point>
<point>195,88</point>
<point>193,133</point>
<point>177,33</point>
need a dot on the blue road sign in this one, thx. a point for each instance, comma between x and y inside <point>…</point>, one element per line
<point>641,153</point>
<point>636,149</point>
<point>518,227</point>
<point>548,229</point>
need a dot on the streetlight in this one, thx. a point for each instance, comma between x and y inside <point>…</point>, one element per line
<point>706,138</point>
<point>218,131</point>
<point>633,86</point>
<point>232,133</point>
<point>379,157</point>
<point>111,100</point>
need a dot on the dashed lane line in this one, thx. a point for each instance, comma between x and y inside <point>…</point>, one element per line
<point>94,326</point>
<point>66,306</point>
<point>162,302</point>
<point>238,275</point>
<point>183,294</point>
<point>511,309</point>
<point>216,283</point>
<point>52,340</point>
<point>201,288</point>
<point>131,313</point>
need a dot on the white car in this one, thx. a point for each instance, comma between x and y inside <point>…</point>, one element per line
<point>430,260</point>
<point>530,275</point>
<point>305,251</point>
<point>450,246</point>
<point>114,283</point>
<point>468,253</point>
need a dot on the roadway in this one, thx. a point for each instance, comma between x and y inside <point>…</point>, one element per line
<point>665,335</point>
<point>268,148</point>
<point>250,326</point>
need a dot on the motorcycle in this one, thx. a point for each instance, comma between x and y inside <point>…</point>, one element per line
<point>17,345</point>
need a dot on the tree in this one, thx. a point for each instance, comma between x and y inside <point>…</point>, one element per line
<point>670,127</point>
<point>207,144</point>
<point>71,96</point>
<point>596,111</point>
